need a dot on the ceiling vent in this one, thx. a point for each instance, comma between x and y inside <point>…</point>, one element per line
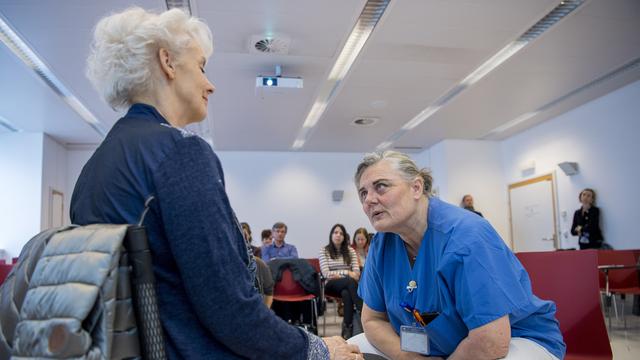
<point>269,44</point>
<point>364,121</point>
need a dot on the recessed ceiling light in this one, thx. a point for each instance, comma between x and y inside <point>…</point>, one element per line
<point>364,121</point>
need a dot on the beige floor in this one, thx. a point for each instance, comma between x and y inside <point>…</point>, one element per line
<point>625,343</point>
<point>333,322</point>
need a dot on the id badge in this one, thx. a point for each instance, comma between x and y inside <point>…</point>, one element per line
<point>414,339</point>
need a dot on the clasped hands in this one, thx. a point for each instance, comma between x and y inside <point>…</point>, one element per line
<point>339,349</point>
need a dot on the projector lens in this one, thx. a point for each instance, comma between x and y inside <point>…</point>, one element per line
<point>269,81</point>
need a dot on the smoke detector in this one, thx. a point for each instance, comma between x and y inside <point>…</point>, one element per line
<point>364,121</point>
<point>269,44</point>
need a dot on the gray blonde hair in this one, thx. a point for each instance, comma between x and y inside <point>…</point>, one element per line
<point>126,43</point>
<point>400,162</point>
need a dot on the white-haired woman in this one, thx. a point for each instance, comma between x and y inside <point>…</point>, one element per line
<point>440,278</point>
<point>154,65</point>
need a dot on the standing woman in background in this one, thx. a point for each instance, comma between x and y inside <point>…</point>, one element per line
<point>586,221</point>
<point>339,265</point>
<point>360,244</point>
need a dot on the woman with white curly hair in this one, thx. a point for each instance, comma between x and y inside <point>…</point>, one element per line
<point>154,65</point>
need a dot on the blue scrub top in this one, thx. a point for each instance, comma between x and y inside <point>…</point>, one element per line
<point>465,272</point>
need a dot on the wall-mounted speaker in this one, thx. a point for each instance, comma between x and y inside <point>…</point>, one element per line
<point>337,195</point>
<point>569,168</point>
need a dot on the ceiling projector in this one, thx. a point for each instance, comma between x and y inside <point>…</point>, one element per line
<point>278,80</point>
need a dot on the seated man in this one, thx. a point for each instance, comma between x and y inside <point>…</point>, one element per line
<point>279,249</point>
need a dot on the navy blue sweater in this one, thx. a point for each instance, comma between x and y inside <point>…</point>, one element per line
<point>208,305</point>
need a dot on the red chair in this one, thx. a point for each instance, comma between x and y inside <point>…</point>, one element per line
<point>617,278</point>
<point>621,281</point>
<point>5,269</point>
<point>570,279</point>
<point>288,290</point>
<point>315,263</point>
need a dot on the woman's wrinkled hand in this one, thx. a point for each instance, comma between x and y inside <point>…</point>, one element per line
<point>340,350</point>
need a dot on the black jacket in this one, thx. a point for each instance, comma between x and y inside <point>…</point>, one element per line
<point>303,273</point>
<point>590,222</point>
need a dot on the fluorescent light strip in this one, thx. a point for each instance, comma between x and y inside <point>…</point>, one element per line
<point>495,61</point>
<point>371,14</point>
<point>15,43</point>
<point>559,12</point>
<point>180,4</point>
<point>631,65</point>
<point>8,125</point>
<point>519,120</point>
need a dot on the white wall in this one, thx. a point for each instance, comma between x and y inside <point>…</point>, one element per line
<point>54,177</point>
<point>20,189</point>
<point>473,167</point>
<point>76,158</point>
<point>602,137</point>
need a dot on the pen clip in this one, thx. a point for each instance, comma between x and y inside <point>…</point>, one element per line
<point>418,318</point>
<point>406,307</point>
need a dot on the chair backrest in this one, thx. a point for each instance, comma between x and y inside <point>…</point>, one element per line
<point>570,279</point>
<point>5,269</point>
<point>149,334</point>
<point>315,264</point>
<point>144,294</point>
<point>288,286</point>
<point>621,278</point>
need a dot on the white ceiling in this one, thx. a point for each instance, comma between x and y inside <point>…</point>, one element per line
<point>419,51</point>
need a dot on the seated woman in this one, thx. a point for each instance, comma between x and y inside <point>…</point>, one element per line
<point>339,265</point>
<point>360,244</point>
<point>246,231</point>
<point>440,280</point>
<point>154,66</point>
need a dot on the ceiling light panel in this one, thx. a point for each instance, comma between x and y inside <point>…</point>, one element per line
<point>555,15</point>
<point>179,4</point>
<point>24,52</point>
<point>631,65</point>
<point>371,14</point>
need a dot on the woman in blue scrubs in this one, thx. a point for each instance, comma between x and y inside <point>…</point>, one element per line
<point>441,276</point>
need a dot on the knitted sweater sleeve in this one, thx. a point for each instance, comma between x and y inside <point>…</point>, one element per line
<point>210,254</point>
